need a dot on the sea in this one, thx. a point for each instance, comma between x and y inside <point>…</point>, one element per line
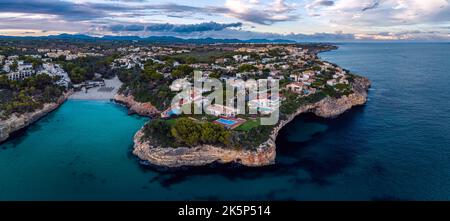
<point>396,147</point>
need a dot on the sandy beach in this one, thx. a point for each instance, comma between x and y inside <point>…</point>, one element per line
<point>99,93</point>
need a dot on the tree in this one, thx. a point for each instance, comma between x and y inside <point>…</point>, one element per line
<point>247,68</point>
<point>151,74</point>
<point>186,131</point>
<point>78,75</point>
<point>190,60</point>
<point>4,82</point>
<point>125,75</point>
<point>182,71</point>
<point>189,132</point>
<point>317,68</point>
<point>216,75</point>
<point>266,72</point>
<point>14,66</point>
<point>149,64</point>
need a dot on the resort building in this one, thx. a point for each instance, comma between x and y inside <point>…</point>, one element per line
<point>19,75</point>
<point>54,70</point>
<point>264,105</point>
<point>23,71</point>
<point>331,82</point>
<point>295,87</point>
<point>179,84</point>
<point>221,110</point>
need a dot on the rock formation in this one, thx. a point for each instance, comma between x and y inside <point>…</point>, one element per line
<point>17,122</point>
<point>143,109</point>
<point>263,155</point>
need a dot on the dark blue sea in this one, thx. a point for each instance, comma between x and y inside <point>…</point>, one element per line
<point>396,147</point>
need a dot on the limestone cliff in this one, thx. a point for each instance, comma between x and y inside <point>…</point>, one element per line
<point>17,122</point>
<point>143,109</point>
<point>199,156</point>
<point>264,155</point>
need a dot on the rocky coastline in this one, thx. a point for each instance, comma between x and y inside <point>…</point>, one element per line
<point>18,122</point>
<point>134,107</point>
<point>264,155</point>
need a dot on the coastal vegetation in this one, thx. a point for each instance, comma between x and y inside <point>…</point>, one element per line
<point>190,132</point>
<point>27,95</point>
<point>85,68</point>
<point>186,132</point>
<point>147,85</point>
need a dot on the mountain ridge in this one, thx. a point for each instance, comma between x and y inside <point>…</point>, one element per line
<point>153,39</point>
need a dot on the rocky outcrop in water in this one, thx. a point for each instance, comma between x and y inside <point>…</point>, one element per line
<point>143,109</point>
<point>17,122</point>
<point>199,156</point>
<point>264,155</point>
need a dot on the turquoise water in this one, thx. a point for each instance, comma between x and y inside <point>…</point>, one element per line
<point>397,146</point>
<point>80,151</point>
<point>226,121</point>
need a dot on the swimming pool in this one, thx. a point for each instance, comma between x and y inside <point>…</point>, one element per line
<point>267,109</point>
<point>226,121</point>
<point>174,112</point>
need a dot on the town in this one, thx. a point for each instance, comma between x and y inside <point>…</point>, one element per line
<point>154,74</point>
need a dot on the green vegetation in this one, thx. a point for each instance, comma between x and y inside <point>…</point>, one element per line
<point>14,66</point>
<point>186,131</point>
<point>201,56</point>
<point>293,102</point>
<point>252,138</point>
<point>83,69</point>
<point>36,62</point>
<point>247,126</point>
<point>27,95</point>
<point>182,71</point>
<point>247,68</point>
<point>146,85</point>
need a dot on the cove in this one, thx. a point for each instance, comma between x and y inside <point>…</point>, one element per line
<point>79,151</point>
<point>396,147</point>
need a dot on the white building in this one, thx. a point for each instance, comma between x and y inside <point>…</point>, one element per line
<point>18,75</point>
<point>295,87</point>
<point>331,82</point>
<point>23,71</point>
<point>179,84</point>
<point>221,110</point>
<point>54,70</point>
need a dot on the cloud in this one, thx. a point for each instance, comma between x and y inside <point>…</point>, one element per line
<point>256,12</point>
<point>245,10</point>
<point>372,6</point>
<point>173,28</point>
<point>412,35</point>
<point>131,28</point>
<point>364,18</point>
<point>202,27</point>
<point>65,9</point>
<point>319,3</point>
<point>367,14</point>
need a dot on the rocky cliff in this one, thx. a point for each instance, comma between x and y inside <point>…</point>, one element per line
<point>265,153</point>
<point>143,109</point>
<point>18,122</point>
<point>199,156</point>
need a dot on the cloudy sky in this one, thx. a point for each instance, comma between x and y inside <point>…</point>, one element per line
<point>303,20</point>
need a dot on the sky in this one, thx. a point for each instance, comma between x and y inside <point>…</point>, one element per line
<point>301,20</point>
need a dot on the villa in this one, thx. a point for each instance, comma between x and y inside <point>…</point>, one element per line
<point>221,110</point>
<point>331,82</point>
<point>264,105</point>
<point>179,84</point>
<point>295,87</point>
<point>55,70</point>
<point>23,71</point>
